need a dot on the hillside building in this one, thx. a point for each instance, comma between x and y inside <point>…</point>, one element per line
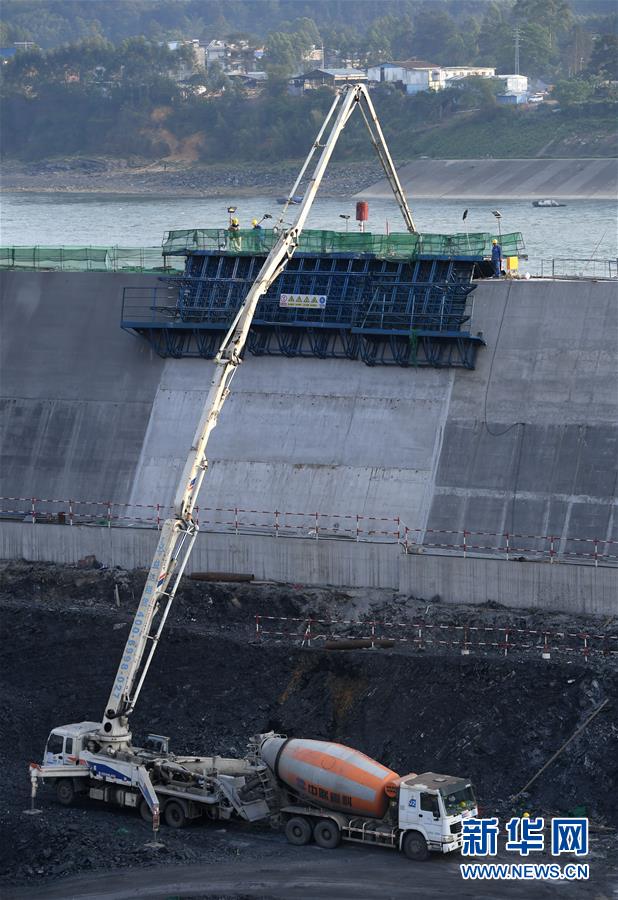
<point>418,75</point>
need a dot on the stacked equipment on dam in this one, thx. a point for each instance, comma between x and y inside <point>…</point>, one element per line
<point>400,299</point>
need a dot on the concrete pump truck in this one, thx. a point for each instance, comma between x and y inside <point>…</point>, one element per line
<point>353,798</point>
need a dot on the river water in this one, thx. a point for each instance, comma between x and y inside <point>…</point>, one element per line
<point>581,230</point>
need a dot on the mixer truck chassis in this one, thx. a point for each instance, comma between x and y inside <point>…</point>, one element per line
<point>328,829</point>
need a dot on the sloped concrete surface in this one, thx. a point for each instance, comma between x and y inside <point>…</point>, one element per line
<point>76,392</point>
<point>531,441</point>
<point>504,179</point>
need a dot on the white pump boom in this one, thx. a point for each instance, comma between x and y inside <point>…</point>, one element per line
<point>179,533</point>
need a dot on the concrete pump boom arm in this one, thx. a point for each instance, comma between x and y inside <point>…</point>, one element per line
<point>178,534</point>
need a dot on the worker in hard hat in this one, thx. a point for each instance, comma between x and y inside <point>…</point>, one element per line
<point>256,225</point>
<point>496,258</point>
<point>234,228</point>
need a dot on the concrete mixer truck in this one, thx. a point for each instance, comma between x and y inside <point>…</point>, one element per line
<point>329,793</point>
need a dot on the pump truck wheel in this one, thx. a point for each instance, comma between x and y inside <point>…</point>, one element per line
<point>298,831</point>
<point>415,846</point>
<point>327,834</point>
<point>65,792</point>
<point>174,814</point>
<point>145,812</point>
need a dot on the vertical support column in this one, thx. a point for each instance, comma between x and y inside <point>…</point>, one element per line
<point>465,647</point>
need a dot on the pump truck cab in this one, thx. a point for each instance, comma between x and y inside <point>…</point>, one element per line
<point>324,791</point>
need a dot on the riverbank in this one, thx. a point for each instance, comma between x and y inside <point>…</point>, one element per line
<point>107,176</point>
<point>423,179</point>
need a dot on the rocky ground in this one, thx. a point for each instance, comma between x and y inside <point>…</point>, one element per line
<point>211,686</point>
<point>108,176</point>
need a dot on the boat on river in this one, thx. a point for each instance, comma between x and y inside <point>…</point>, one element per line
<point>544,203</point>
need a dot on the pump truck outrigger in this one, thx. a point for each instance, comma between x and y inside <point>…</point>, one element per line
<point>99,759</point>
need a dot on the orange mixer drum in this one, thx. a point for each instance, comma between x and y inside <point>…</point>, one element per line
<point>331,775</point>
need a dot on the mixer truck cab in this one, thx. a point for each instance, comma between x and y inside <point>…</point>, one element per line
<point>433,807</point>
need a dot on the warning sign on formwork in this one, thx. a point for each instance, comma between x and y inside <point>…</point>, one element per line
<point>305,301</point>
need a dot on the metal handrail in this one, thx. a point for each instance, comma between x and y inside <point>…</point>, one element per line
<point>317,525</point>
<point>577,267</point>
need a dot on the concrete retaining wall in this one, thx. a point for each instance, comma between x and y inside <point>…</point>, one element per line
<point>571,588</point>
<point>523,585</point>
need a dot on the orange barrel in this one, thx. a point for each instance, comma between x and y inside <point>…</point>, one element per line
<point>331,775</point>
<point>362,211</point>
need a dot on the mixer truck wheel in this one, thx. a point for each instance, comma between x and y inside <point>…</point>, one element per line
<point>298,831</point>
<point>327,834</point>
<point>415,846</point>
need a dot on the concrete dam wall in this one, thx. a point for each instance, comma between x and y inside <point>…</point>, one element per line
<point>527,443</point>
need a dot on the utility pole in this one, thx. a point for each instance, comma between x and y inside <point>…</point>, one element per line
<point>516,36</point>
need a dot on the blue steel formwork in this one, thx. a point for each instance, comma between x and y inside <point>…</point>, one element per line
<point>381,311</point>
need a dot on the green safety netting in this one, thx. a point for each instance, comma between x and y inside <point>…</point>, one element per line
<point>87,259</point>
<point>251,242</point>
<point>394,246</point>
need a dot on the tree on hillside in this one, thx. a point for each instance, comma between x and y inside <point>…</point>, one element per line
<point>436,36</point>
<point>604,57</point>
<point>576,50</point>
<point>308,30</point>
<point>496,42</point>
<point>574,90</point>
<point>282,55</point>
<point>216,79</point>
<point>469,34</point>
<point>346,42</point>
<point>554,15</point>
<point>402,42</point>
<point>537,54</point>
<point>381,41</point>
<point>494,33</point>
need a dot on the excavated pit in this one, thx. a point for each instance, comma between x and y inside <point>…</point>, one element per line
<point>211,686</point>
